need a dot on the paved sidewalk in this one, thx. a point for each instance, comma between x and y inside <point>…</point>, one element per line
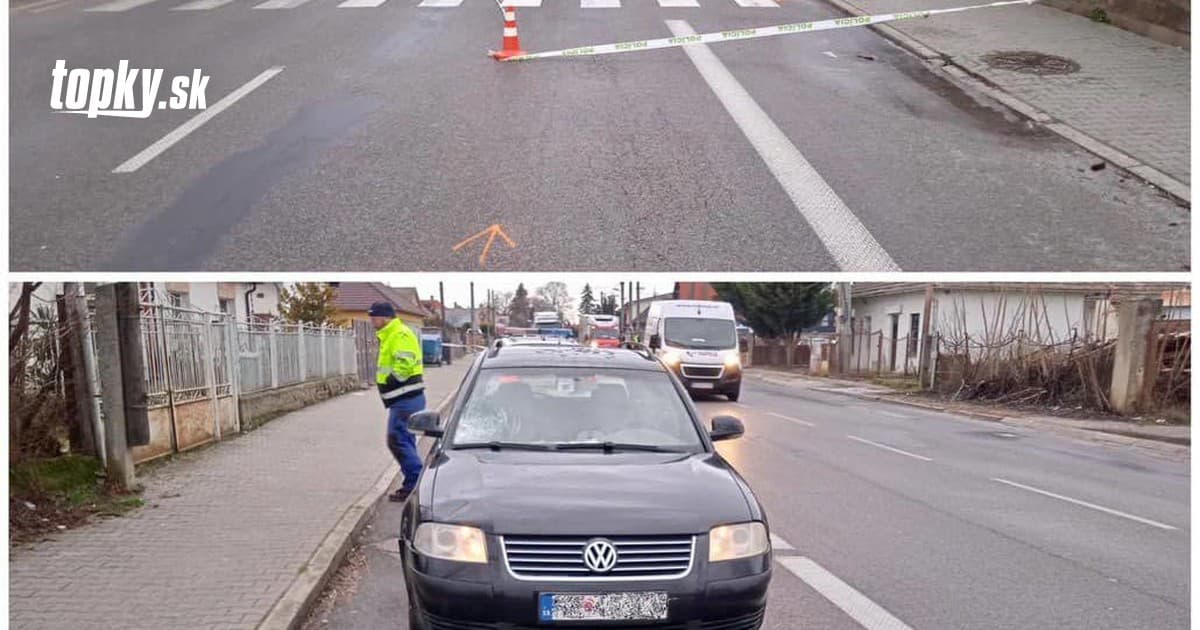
<point>226,529</point>
<point>1129,101</point>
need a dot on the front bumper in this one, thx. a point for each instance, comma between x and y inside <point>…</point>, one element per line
<point>729,381</point>
<point>729,595</point>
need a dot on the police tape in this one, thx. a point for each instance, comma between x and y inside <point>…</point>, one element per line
<point>754,33</point>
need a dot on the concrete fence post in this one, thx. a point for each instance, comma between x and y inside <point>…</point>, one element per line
<point>1134,320</point>
<point>324,354</point>
<point>300,343</point>
<point>273,347</point>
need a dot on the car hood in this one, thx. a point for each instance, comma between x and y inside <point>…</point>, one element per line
<point>585,493</point>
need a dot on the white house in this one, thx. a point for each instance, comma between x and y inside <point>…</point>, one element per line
<point>886,318</point>
<point>259,299</point>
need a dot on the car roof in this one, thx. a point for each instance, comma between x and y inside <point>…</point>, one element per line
<point>530,355</point>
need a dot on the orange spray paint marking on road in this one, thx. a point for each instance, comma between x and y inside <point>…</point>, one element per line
<point>491,231</point>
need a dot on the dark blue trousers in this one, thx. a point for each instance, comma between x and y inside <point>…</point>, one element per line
<point>401,441</point>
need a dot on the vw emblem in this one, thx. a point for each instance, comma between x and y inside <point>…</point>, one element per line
<point>600,556</point>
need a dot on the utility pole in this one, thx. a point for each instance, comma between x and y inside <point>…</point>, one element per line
<point>844,325</point>
<point>119,463</point>
<point>472,331</point>
<point>79,374</point>
<point>442,301</point>
<point>926,349</point>
<point>621,310</point>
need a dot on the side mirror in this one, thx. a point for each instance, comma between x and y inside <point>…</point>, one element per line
<point>655,342</point>
<point>726,428</point>
<point>427,422</point>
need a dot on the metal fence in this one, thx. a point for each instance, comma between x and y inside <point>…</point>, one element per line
<point>274,355</point>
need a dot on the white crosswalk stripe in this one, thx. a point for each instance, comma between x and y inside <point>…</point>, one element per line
<point>600,4</point>
<point>360,4</point>
<point>280,4</point>
<point>201,5</point>
<point>118,5</point>
<point>678,3</point>
<point>440,4</point>
<point>757,3</point>
<point>522,3</point>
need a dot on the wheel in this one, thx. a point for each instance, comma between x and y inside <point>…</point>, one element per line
<point>733,395</point>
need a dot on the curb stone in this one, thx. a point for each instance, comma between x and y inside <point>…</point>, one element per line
<point>292,607</point>
<point>1171,187</point>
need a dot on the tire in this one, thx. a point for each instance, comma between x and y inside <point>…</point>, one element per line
<point>733,394</point>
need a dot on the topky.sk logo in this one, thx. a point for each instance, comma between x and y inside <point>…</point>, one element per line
<point>107,92</point>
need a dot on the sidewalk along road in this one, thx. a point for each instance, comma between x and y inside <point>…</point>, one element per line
<point>868,537</point>
<point>390,118</point>
<point>226,530</point>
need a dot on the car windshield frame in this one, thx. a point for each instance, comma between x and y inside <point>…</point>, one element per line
<point>674,343</point>
<point>703,443</point>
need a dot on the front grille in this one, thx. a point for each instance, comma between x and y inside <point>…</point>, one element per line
<point>744,622</point>
<point>701,371</point>
<point>561,557</point>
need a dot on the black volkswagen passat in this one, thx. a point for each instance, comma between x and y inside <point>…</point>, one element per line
<point>577,487</point>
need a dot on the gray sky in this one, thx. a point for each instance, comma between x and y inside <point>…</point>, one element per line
<point>457,286</point>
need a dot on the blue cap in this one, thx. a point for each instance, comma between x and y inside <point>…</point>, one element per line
<point>382,309</point>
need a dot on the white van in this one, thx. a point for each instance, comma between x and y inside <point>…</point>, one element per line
<point>698,341</point>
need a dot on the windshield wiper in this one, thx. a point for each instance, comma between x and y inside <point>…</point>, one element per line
<point>612,446</point>
<point>496,445</point>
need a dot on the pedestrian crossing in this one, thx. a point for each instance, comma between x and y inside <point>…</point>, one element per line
<point>117,6</point>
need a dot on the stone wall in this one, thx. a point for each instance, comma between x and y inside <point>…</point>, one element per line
<point>259,407</point>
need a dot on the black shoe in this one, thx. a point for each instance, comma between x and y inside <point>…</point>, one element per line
<point>400,495</point>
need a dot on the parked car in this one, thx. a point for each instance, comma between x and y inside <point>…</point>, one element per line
<point>574,485</point>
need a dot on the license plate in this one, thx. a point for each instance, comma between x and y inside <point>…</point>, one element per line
<point>702,385</point>
<point>602,606</point>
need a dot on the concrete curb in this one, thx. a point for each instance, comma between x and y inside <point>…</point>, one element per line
<point>292,607</point>
<point>1089,435</point>
<point>1173,188</point>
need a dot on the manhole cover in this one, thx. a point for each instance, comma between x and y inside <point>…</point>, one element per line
<point>1030,62</point>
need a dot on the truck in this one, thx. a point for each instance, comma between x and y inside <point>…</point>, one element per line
<point>697,341</point>
<point>601,331</point>
<point>547,319</point>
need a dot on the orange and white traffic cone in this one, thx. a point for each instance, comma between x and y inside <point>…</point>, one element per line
<point>511,45</point>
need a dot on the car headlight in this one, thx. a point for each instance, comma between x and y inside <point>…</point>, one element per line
<point>730,542</point>
<point>451,542</point>
<point>733,359</point>
<point>595,344</point>
<point>672,357</point>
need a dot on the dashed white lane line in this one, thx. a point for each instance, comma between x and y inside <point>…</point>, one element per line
<point>791,419</point>
<point>859,607</point>
<point>780,544</point>
<point>182,131</point>
<point>440,4</point>
<point>756,3</point>
<point>1093,506</point>
<point>890,448</point>
<point>842,234</point>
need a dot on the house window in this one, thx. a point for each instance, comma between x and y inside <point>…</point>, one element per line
<point>226,305</point>
<point>914,332</point>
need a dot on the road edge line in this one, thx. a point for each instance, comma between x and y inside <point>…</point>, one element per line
<point>955,72</point>
<point>293,606</point>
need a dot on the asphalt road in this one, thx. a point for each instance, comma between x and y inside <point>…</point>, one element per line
<point>389,136</point>
<point>906,508</point>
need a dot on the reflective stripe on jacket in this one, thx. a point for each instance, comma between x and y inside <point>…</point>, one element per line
<point>400,366</point>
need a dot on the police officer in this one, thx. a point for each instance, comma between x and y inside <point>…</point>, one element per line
<point>398,377</point>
